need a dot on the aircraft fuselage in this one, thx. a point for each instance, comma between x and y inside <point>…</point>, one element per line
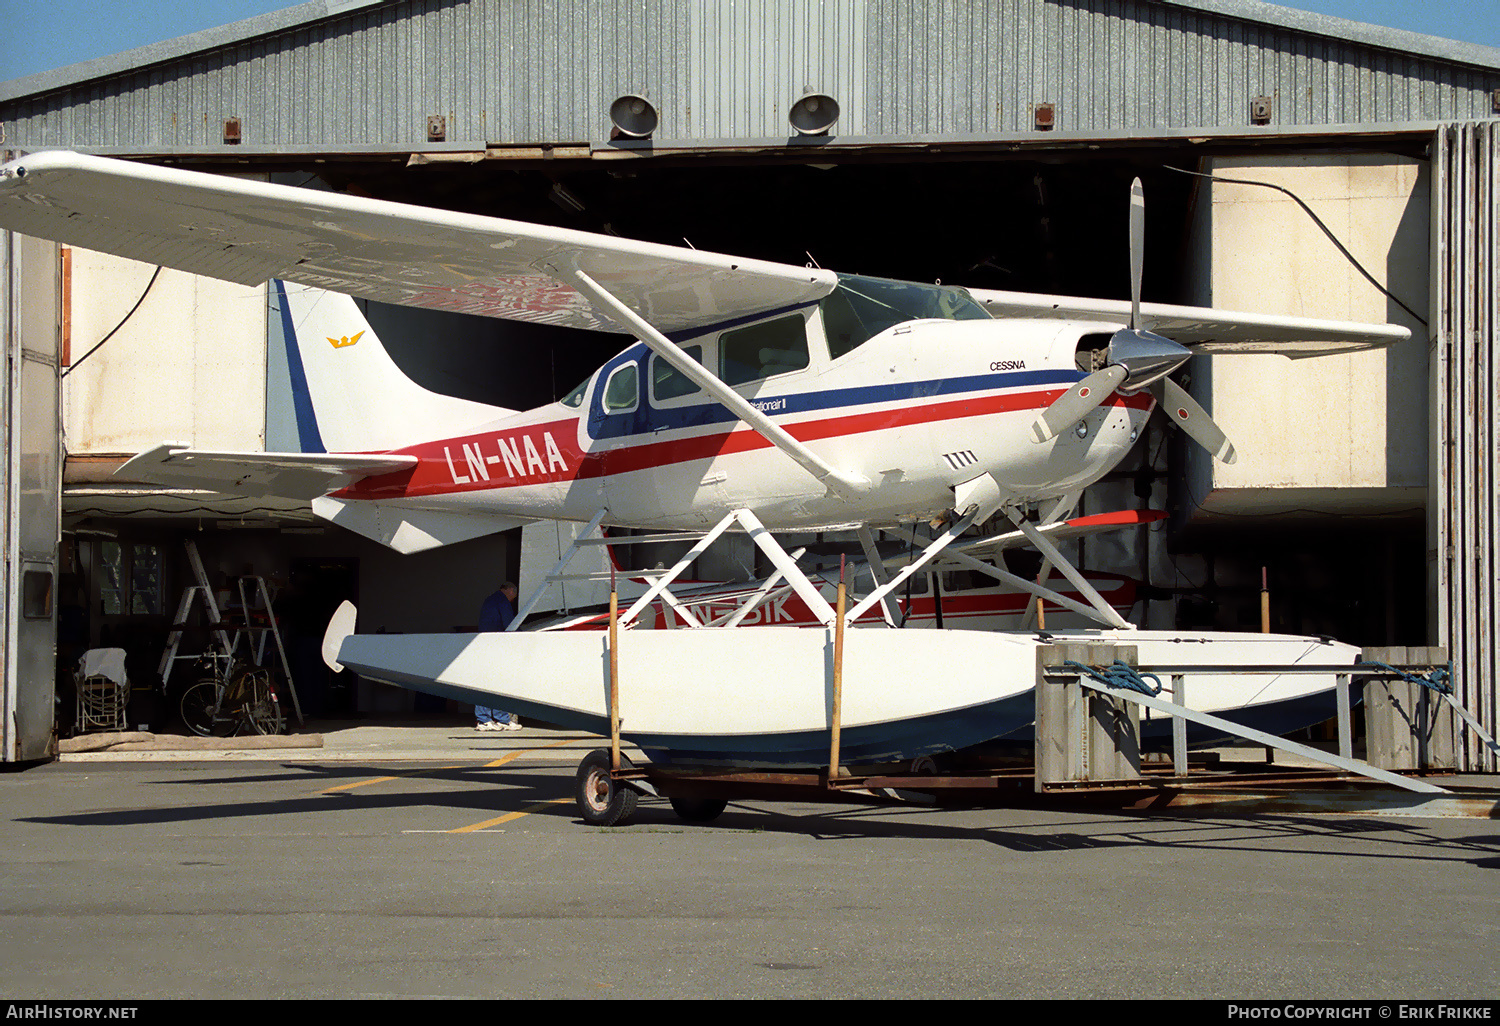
<point>916,409</point>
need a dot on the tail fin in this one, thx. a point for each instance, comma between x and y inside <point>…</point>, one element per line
<point>347,393</point>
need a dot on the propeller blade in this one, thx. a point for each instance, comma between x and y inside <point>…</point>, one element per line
<point>1137,249</point>
<point>1077,402</point>
<point>1188,415</point>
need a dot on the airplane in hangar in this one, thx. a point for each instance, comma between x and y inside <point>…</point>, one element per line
<point>759,395</point>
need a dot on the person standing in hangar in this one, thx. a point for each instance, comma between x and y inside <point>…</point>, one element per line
<point>495,615</point>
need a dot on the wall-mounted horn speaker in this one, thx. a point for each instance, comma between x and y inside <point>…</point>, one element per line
<point>633,116</point>
<point>814,114</point>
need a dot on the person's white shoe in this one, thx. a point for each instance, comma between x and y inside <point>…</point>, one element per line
<point>513,725</point>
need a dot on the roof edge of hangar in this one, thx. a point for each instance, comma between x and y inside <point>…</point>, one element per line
<point>182,46</point>
<point>1399,40</point>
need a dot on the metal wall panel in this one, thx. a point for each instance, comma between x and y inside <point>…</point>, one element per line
<point>31,484</point>
<point>1464,517</point>
<point>527,72</point>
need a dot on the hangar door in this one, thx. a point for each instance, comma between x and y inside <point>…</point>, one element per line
<point>1464,501</point>
<point>31,486</point>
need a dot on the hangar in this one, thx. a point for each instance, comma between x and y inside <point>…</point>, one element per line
<point>987,144</point>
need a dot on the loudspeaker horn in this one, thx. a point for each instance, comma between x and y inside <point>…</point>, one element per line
<point>814,114</point>
<point>633,116</point>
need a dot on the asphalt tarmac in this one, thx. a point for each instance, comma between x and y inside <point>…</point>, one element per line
<point>383,872</point>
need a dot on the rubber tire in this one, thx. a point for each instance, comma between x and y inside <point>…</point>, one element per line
<point>196,702</point>
<point>602,801</point>
<point>698,810</point>
<point>264,711</point>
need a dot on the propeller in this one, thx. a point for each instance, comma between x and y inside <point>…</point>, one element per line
<point>1136,359</point>
<point>1077,402</point>
<point>1182,411</point>
<point>1137,249</point>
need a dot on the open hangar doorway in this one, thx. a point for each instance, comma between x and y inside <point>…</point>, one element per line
<point>1053,222</point>
<point>1056,225</point>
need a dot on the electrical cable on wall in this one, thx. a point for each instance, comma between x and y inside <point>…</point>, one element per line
<point>1316,220</point>
<point>75,364</point>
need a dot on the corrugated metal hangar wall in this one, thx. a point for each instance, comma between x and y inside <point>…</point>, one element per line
<point>1059,95</point>
<point>541,72</point>
<point>1465,494</point>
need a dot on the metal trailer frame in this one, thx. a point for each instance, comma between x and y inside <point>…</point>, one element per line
<point>608,786</point>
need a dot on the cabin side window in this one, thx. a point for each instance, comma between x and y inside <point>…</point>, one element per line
<point>763,350</point>
<point>622,390</point>
<point>667,382</point>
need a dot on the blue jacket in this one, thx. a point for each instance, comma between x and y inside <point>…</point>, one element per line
<point>496,613</point>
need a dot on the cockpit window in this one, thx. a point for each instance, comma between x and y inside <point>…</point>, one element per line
<point>575,397</point>
<point>861,308</point>
<point>763,350</point>
<point>622,390</point>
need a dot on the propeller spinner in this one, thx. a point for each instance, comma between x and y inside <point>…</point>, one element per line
<point>1136,359</point>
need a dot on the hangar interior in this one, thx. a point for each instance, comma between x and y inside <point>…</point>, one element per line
<point>1022,204</point>
<point>1053,225</point>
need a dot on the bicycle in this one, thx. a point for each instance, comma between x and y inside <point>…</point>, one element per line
<point>235,700</point>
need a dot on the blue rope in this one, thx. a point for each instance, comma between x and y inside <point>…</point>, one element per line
<point>1439,680</point>
<point>1119,675</point>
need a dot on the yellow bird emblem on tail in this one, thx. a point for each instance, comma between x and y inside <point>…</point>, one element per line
<point>340,343</point>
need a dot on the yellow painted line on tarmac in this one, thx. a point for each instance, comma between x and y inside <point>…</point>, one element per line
<point>382,780</point>
<point>526,751</point>
<point>350,787</point>
<point>509,816</point>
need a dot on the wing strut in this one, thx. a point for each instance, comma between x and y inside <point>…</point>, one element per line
<point>1075,578</point>
<point>842,484</point>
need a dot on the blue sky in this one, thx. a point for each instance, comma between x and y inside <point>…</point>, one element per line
<point>38,37</point>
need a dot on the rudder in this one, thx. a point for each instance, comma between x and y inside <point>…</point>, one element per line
<point>347,393</point>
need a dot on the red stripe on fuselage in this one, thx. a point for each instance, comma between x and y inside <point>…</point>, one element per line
<point>490,460</point>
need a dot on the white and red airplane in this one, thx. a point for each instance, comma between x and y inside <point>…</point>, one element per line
<point>759,394</point>
<point>806,397</point>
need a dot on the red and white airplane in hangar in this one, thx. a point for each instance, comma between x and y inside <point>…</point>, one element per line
<point>766,395</point>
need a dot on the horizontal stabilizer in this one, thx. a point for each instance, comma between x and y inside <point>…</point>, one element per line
<point>410,530</point>
<point>1078,527</point>
<point>1204,330</point>
<point>292,475</point>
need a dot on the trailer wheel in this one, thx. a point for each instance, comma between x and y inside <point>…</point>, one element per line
<point>602,801</point>
<point>698,810</point>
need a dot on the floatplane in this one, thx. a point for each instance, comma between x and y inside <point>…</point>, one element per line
<point>755,397</point>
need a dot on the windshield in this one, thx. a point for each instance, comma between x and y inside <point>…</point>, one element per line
<point>575,397</point>
<point>861,308</point>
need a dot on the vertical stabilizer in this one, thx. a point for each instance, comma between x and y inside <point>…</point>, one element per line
<point>348,395</point>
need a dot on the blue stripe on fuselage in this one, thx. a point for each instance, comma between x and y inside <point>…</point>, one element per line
<point>645,419</point>
<point>308,436</point>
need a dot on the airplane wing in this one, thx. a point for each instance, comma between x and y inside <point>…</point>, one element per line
<point>247,232</point>
<point>1204,330</point>
<point>292,475</point>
